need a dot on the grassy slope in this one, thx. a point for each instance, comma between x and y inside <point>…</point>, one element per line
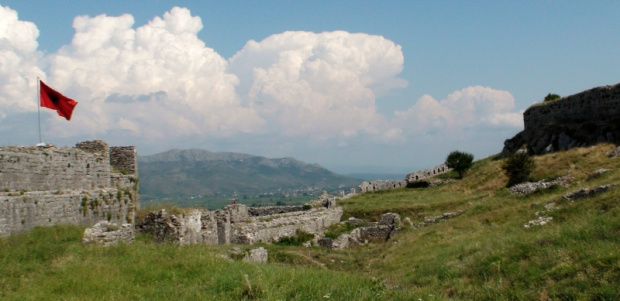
<point>485,253</point>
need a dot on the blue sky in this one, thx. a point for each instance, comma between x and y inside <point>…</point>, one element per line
<point>388,86</point>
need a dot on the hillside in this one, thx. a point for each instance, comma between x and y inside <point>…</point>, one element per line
<point>485,253</point>
<point>184,173</point>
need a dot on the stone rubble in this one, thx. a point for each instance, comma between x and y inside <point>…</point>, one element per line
<point>598,172</point>
<point>615,152</point>
<point>529,187</point>
<point>587,192</point>
<point>382,230</point>
<point>428,220</point>
<point>259,255</point>
<point>107,234</point>
<point>540,221</point>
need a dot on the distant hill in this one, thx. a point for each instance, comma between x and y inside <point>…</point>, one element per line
<point>184,173</point>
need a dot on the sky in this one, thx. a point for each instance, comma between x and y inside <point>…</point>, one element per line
<point>355,86</point>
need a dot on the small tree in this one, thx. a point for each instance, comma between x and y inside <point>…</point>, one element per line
<point>518,168</point>
<point>551,97</point>
<point>460,162</point>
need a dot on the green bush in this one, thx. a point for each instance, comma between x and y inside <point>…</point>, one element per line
<point>460,162</point>
<point>551,97</point>
<point>297,240</point>
<point>518,168</point>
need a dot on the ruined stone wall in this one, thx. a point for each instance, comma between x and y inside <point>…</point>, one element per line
<point>377,185</point>
<point>38,169</point>
<point>600,103</point>
<point>269,210</point>
<point>427,173</point>
<point>42,186</point>
<point>21,211</point>
<point>124,159</point>
<point>582,119</point>
<point>234,224</point>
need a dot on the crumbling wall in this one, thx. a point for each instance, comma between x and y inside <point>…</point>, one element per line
<point>270,210</point>
<point>427,173</point>
<point>377,185</point>
<point>124,159</point>
<point>43,186</point>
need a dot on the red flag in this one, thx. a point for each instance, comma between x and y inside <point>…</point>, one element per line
<point>50,98</point>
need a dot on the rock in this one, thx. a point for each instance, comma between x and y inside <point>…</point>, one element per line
<point>586,192</point>
<point>615,152</point>
<point>107,234</point>
<point>529,187</point>
<point>390,219</point>
<point>258,255</point>
<point>355,222</point>
<point>598,172</point>
<point>540,221</point>
<point>435,219</point>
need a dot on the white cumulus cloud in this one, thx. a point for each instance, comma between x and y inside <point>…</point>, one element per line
<point>473,107</point>
<point>319,84</point>
<point>109,60</point>
<point>18,63</point>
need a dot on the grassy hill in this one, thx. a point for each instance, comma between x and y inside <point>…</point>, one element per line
<point>179,174</point>
<point>483,254</point>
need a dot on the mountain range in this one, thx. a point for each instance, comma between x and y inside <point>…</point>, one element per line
<point>197,172</point>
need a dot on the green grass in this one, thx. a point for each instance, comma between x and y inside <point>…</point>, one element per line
<point>483,254</point>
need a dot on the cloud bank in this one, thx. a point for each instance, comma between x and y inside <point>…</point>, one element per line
<point>159,85</point>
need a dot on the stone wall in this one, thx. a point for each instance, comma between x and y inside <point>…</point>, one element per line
<point>427,173</point>
<point>124,159</point>
<point>270,210</point>
<point>39,169</point>
<point>43,186</point>
<point>377,185</point>
<point>582,119</point>
<point>235,224</point>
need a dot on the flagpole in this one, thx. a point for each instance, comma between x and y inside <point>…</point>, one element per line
<point>39,106</point>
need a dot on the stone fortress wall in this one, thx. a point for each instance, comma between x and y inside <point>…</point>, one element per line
<point>582,119</point>
<point>419,175</point>
<point>44,186</point>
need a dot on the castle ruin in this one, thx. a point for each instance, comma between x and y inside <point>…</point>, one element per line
<point>578,120</point>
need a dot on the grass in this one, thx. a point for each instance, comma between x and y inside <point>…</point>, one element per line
<point>483,254</point>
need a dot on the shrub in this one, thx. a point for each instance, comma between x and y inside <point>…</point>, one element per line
<point>418,184</point>
<point>518,168</point>
<point>297,240</point>
<point>460,162</point>
<point>551,97</point>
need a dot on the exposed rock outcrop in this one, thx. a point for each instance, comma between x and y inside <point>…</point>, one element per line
<point>587,192</point>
